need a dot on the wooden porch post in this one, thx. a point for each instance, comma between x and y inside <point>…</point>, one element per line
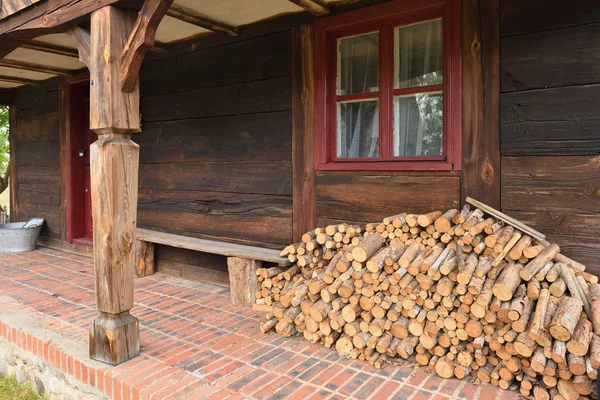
<point>114,334</point>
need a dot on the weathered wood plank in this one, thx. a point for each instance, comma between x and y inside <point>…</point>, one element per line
<point>520,17</point>
<point>212,246</point>
<point>370,198</point>
<point>38,128</point>
<point>233,177</point>
<point>50,213</point>
<point>38,153</point>
<point>221,65</point>
<point>192,17</point>
<point>14,171</point>
<point>260,218</point>
<point>555,223</point>
<point>35,100</point>
<point>81,38</point>
<point>480,178</point>
<point>303,144</point>
<point>242,98</point>
<point>548,119</point>
<point>550,183</point>
<point>559,57</point>
<point>144,258</point>
<point>230,138</point>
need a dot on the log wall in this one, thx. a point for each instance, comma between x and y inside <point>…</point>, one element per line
<point>215,156</point>
<point>37,155</point>
<point>550,85</point>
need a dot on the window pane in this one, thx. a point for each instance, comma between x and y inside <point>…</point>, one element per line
<point>358,64</point>
<point>418,54</point>
<point>418,125</point>
<point>358,129</point>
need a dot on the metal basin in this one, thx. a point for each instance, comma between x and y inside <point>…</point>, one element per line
<point>20,236</point>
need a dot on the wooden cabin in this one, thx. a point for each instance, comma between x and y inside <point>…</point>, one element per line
<point>261,120</point>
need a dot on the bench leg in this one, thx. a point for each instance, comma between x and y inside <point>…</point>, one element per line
<point>144,258</point>
<point>243,280</point>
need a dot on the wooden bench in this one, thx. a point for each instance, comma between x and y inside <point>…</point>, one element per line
<point>242,260</point>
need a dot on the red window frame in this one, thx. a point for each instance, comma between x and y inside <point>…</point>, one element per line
<point>383,18</point>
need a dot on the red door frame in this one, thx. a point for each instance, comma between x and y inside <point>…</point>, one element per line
<point>76,88</point>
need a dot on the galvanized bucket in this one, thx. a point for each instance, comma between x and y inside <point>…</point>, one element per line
<point>20,236</point>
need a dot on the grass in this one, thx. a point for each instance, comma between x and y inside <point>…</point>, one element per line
<point>11,390</point>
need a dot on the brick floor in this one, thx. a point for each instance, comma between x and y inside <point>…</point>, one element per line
<point>195,344</point>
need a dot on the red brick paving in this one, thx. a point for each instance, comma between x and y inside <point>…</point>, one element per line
<point>195,344</point>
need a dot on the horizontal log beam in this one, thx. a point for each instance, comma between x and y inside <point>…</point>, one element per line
<point>50,14</point>
<point>192,17</point>
<point>34,67</point>
<point>315,7</point>
<point>22,81</point>
<point>48,48</point>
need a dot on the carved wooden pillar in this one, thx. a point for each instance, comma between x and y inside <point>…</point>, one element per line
<point>114,158</point>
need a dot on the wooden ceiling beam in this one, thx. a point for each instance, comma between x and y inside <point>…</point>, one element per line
<point>39,18</point>
<point>48,48</point>
<point>22,81</point>
<point>317,8</point>
<point>81,38</point>
<point>141,39</point>
<point>192,17</point>
<point>34,67</point>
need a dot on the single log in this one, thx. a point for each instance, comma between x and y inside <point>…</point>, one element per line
<point>566,318</point>
<point>507,282</point>
<point>367,247</point>
<point>538,263</point>
<point>425,220</point>
<point>582,337</point>
<point>595,305</point>
<point>444,222</point>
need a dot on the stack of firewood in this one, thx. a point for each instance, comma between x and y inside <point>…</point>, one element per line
<point>462,292</point>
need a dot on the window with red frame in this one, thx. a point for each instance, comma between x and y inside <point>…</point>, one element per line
<point>388,88</point>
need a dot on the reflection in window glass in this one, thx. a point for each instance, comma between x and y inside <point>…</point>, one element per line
<point>358,65</point>
<point>358,129</point>
<point>418,54</point>
<point>418,125</point>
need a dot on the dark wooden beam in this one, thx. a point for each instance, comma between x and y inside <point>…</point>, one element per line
<point>192,17</point>
<point>14,79</point>
<point>6,97</point>
<point>50,14</point>
<point>480,175</point>
<point>14,171</point>
<point>81,38</point>
<point>141,40</point>
<point>48,48</point>
<point>317,8</point>
<point>304,199</point>
<point>34,67</point>
<point>7,47</point>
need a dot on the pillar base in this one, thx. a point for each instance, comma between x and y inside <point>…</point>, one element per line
<point>114,338</point>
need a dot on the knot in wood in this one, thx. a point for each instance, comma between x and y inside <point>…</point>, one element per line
<point>125,243</point>
<point>475,46</point>
<point>487,172</point>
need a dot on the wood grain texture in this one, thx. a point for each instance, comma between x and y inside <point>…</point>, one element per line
<point>480,177</point>
<point>242,280</point>
<point>520,17</point>
<point>318,8</point>
<point>303,144</point>
<point>141,39</point>
<point>262,218</point>
<point>81,38</point>
<point>551,121</point>
<point>230,177</point>
<point>203,21</point>
<point>369,198</point>
<point>241,98</point>
<point>212,246</point>
<point>10,7</point>
<point>559,57</point>
<point>246,60</point>
<point>228,138</point>
<point>114,110</point>
<point>551,183</point>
